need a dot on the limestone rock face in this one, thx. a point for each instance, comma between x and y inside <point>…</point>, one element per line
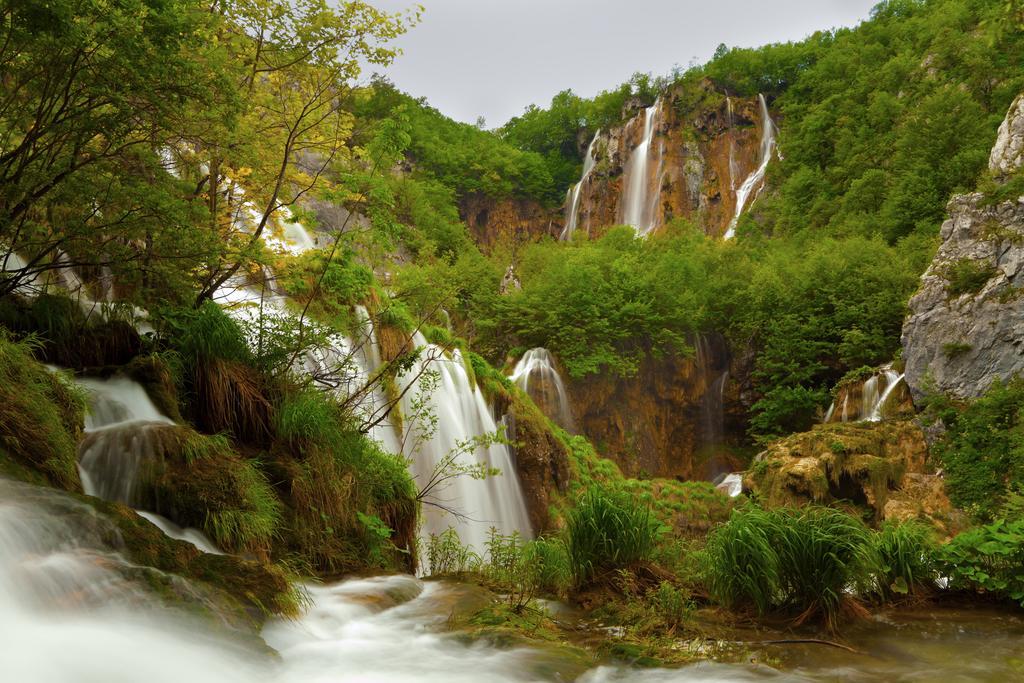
<point>960,335</point>
<point>491,221</point>
<point>701,153</point>
<point>966,322</point>
<point>1008,152</point>
<point>669,420</point>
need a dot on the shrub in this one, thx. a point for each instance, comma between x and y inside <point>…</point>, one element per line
<point>982,450</point>
<point>608,530</point>
<point>906,554</point>
<point>967,276</point>
<point>955,349</point>
<point>804,561</point>
<point>446,556</point>
<point>988,559</point>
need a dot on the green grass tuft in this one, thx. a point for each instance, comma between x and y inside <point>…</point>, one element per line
<point>608,530</point>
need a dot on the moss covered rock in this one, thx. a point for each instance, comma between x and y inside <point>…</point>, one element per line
<point>878,467</point>
<point>41,415</point>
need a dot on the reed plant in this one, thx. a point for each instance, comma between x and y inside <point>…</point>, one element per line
<point>608,530</point>
<point>813,562</point>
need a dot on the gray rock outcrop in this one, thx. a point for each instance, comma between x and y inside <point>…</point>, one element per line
<point>1008,152</point>
<point>966,322</point>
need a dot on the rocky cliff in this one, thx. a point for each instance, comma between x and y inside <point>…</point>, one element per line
<point>702,145</point>
<point>672,419</point>
<point>491,221</point>
<point>701,149</point>
<point>966,322</point>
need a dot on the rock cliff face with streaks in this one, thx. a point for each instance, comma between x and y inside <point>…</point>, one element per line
<point>966,322</point>
<point>700,150</point>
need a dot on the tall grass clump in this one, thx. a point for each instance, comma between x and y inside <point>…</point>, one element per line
<point>223,385</point>
<point>201,481</point>
<point>812,562</point>
<point>608,530</point>
<point>350,501</point>
<point>906,556</point>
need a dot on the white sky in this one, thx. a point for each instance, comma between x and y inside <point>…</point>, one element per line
<point>492,58</point>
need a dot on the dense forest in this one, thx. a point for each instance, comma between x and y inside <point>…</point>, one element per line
<point>213,202</point>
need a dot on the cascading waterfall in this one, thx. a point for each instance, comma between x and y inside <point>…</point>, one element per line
<point>639,204</point>
<point>123,430</point>
<point>755,181</point>
<point>575,193</point>
<point>537,375</point>
<point>469,505</point>
<point>891,380</point>
<point>73,609</point>
<point>875,394</point>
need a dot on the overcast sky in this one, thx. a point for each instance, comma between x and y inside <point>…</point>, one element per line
<point>492,58</point>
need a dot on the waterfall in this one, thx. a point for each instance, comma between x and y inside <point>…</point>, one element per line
<point>471,506</point>
<point>639,206</point>
<point>755,180</point>
<point>73,609</point>
<point>575,194</point>
<point>730,484</point>
<point>537,375</point>
<point>892,379</point>
<point>123,433</point>
<point>875,394</point>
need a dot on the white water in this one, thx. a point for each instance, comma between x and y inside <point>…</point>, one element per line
<point>892,380</point>
<point>639,204</point>
<point>462,413</point>
<point>731,484</point>
<point>537,375</point>
<point>875,394</point>
<point>575,194</point>
<point>755,181</point>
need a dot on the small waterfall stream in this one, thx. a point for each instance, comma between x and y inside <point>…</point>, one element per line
<point>462,414</point>
<point>537,375</point>
<point>875,393</point>
<point>575,193</point>
<point>638,203</point>
<point>755,181</point>
<point>123,434</point>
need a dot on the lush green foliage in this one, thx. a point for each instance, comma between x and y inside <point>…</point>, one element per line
<point>608,530</point>
<point>814,308</point>
<point>562,131</point>
<point>968,277</point>
<point>459,156</point>
<point>906,553</point>
<point>803,561</point>
<point>989,559</point>
<point>982,451</point>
